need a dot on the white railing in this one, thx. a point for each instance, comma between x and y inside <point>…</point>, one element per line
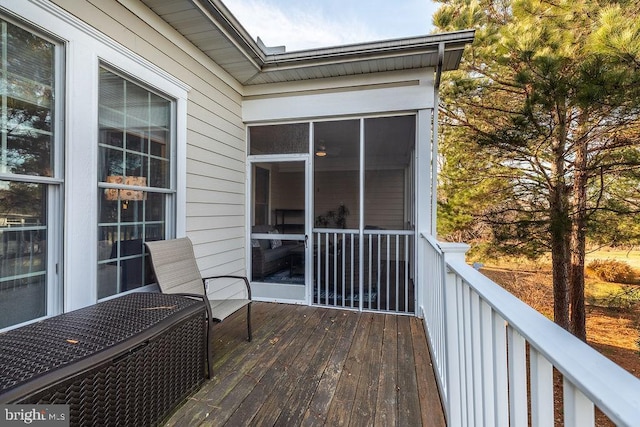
<point>495,357</point>
<point>375,275</point>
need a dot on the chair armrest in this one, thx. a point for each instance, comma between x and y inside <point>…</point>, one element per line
<point>200,297</point>
<point>246,281</point>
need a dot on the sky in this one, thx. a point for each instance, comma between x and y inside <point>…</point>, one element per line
<point>310,24</point>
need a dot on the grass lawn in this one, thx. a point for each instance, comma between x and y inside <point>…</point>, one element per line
<point>630,257</point>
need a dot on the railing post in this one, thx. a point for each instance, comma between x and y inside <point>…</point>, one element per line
<point>453,329</point>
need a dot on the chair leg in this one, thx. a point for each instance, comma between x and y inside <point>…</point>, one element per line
<point>249,321</point>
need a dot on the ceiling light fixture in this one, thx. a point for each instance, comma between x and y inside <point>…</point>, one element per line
<point>321,151</point>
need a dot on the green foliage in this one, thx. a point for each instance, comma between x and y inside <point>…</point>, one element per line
<point>622,298</point>
<point>334,219</point>
<point>614,271</point>
<point>541,80</point>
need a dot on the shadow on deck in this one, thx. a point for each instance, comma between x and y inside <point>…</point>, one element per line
<point>317,366</point>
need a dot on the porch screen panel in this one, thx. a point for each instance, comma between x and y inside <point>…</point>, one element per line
<point>389,145</point>
<point>136,192</point>
<point>28,109</point>
<point>279,139</point>
<point>336,212</point>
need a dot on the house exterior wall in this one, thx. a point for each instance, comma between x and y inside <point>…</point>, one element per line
<point>212,112</point>
<point>345,96</point>
<point>210,131</point>
<point>215,156</point>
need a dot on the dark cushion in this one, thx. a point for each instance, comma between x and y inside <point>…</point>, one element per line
<point>265,244</point>
<point>274,254</point>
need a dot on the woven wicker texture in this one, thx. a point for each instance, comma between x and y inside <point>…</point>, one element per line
<point>138,387</point>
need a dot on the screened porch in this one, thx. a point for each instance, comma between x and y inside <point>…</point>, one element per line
<point>333,212</point>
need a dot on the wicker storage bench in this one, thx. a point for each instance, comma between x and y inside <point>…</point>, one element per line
<point>128,361</point>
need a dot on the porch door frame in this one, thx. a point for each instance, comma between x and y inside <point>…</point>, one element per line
<point>308,224</point>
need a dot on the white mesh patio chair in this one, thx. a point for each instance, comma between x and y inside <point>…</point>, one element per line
<point>176,271</point>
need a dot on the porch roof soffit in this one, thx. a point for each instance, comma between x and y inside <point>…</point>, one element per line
<point>213,29</point>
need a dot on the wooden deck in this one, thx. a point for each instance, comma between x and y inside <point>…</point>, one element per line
<point>317,366</point>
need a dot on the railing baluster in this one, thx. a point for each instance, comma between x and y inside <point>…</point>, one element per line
<point>517,378</point>
<point>318,275</point>
<point>370,271</point>
<point>388,265</point>
<point>578,409</point>
<point>378,272</point>
<point>353,268</point>
<point>476,355</point>
<point>541,373</point>
<point>343,278</point>
<point>453,363</point>
<point>487,357</point>
<point>501,377</point>
<point>326,268</point>
<point>406,274</point>
<point>467,355</point>
<point>334,273</point>
<point>397,273</point>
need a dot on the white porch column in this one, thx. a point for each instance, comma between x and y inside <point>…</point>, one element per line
<point>454,334</point>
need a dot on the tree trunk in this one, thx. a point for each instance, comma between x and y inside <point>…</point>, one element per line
<point>578,243</point>
<point>560,226</point>
<point>560,229</point>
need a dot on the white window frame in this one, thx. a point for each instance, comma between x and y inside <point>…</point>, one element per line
<point>169,192</point>
<point>86,49</point>
<point>54,184</point>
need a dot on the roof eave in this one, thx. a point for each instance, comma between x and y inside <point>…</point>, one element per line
<point>231,27</point>
<point>454,41</point>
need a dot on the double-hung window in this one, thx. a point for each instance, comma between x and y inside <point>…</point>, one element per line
<point>30,175</point>
<point>135,172</point>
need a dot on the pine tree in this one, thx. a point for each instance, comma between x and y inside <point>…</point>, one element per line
<point>547,101</point>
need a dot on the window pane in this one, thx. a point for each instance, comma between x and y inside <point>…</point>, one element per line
<point>134,133</point>
<point>134,140</point>
<point>279,139</point>
<point>27,78</point>
<point>23,254</point>
<point>126,221</point>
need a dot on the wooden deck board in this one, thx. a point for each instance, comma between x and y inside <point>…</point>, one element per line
<point>408,400</point>
<point>318,407</point>
<point>387,402</point>
<point>296,407</point>
<point>344,397</point>
<point>315,366</point>
<point>364,406</point>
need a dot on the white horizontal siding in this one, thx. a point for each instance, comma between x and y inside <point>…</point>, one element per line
<point>384,199</point>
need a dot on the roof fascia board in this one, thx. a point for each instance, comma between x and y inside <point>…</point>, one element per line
<point>375,50</point>
<point>218,14</point>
